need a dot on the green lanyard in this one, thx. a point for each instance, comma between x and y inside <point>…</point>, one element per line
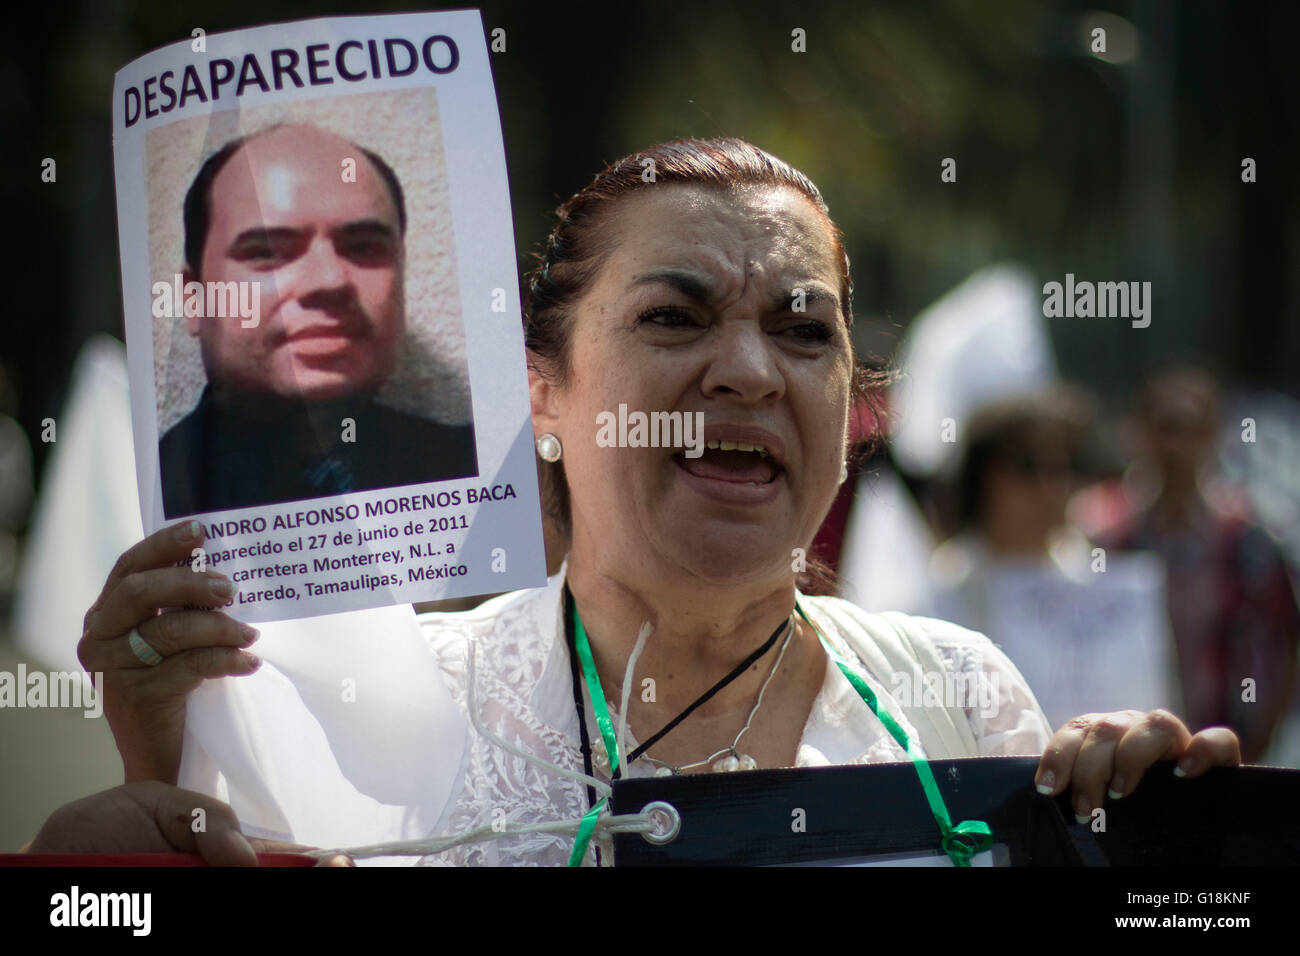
<point>960,842</point>
<point>588,824</point>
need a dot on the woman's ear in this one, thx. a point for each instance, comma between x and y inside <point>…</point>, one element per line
<point>544,397</point>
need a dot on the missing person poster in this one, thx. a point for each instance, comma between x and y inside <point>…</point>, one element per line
<point>322,316</point>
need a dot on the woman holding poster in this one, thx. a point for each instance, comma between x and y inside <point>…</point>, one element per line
<point>676,638</point>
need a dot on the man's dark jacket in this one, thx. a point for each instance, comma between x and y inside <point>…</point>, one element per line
<point>266,450</point>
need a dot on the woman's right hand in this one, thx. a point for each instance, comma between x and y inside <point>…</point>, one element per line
<point>150,817</point>
<point>145,704</point>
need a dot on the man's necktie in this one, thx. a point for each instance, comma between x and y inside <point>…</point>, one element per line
<point>331,476</point>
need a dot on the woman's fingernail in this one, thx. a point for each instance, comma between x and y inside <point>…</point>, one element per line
<point>188,531</point>
<point>254,662</point>
<point>247,634</point>
<point>1082,810</point>
<point>1184,768</point>
<point>1047,783</point>
<point>223,588</point>
<point>1116,789</point>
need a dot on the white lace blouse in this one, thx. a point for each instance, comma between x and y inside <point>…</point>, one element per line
<point>524,694</point>
<point>296,762</point>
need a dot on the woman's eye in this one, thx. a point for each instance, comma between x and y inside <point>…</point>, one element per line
<point>811,331</point>
<point>667,318</point>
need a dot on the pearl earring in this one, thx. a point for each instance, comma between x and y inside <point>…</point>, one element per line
<point>548,448</point>
<point>844,472</point>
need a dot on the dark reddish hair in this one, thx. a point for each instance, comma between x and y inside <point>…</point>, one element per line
<point>576,249</point>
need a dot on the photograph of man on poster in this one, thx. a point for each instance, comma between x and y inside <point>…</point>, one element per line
<point>311,227</point>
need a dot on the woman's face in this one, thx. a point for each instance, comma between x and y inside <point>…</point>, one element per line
<point>725,303</point>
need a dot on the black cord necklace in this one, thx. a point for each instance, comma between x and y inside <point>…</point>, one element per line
<point>570,612</point>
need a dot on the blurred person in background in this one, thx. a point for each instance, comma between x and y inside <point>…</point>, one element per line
<point>1019,465</point>
<point>1231,602</point>
<point>16,486</point>
<point>1086,629</point>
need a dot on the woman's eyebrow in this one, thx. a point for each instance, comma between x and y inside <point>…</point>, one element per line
<point>695,285</point>
<point>814,293</point>
<point>691,284</point>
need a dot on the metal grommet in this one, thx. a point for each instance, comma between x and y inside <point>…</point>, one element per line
<point>668,822</point>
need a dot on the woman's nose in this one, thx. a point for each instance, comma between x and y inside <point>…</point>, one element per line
<point>744,364</point>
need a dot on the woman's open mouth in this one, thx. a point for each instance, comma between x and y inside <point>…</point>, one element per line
<point>732,461</point>
<point>733,472</point>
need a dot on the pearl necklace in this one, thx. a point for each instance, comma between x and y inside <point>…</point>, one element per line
<point>728,759</point>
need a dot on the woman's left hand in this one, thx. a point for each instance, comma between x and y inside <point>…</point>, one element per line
<point>1100,755</point>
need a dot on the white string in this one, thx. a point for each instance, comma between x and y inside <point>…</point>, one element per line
<point>605,823</point>
<point>600,786</point>
<point>609,823</point>
<point>628,676</point>
<point>428,846</point>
